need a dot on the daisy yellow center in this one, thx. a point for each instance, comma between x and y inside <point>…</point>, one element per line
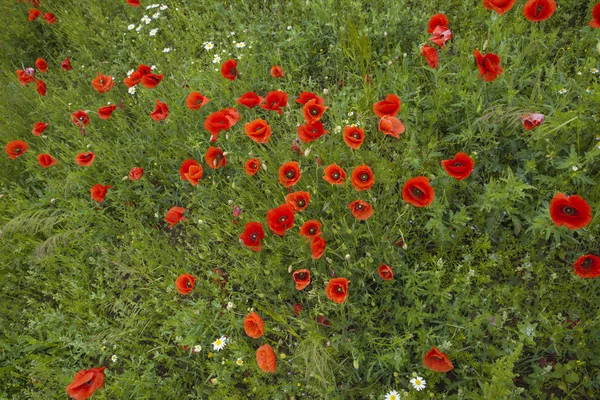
<point>219,342</point>
<point>393,397</point>
<point>418,382</point>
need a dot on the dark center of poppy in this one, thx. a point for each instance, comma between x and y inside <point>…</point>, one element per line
<point>88,383</point>
<point>301,275</point>
<point>253,236</point>
<point>301,203</point>
<point>364,177</point>
<point>188,284</point>
<point>290,173</point>
<point>538,10</point>
<point>359,207</point>
<point>417,192</point>
<point>273,103</point>
<point>282,218</point>
<point>18,150</point>
<point>314,111</point>
<point>457,164</point>
<point>335,175</point>
<point>253,165</point>
<point>81,118</point>
<point>219,156</point>
<point>198,101</point>
<point>85,157</point>
<point>355,135</point>
<point>569,210</point>
<point>312,230</point>
<point>102,81</point>
<point>314,130</point>
<point>339,289</point>
<point>232,71</point>
<point>258,128</point>
<point>586,263</point>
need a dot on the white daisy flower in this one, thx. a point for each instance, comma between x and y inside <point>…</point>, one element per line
<point>231,33</point>
<point>164,7</point>
<point>240,45</point>
<point>131,26</point>
<point>239,362</point>
<point>197,348</point>
<point>131,71</point>
<point>562,91</point>
<point>230,305</point>
<point>153,32</point>
<point>418,383</point>
<point>216,59</point>
<point>131,90</point>
<point>152,68</point>
<point>594,70</point>
<point>166,49</point>
<point>393,395</point>
<point>289,27</point>
<point>138,28</point>
<point>220,343</point>
<point>155,15</point>
<point>114,358</point>
<point>208,45</point>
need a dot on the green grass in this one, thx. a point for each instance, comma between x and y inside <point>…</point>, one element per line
<point>486,275</point>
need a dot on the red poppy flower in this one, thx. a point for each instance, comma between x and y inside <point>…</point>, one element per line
<point>99,191</point>
<point>185,167</point>
<point>321,320</point>
<point>311,131</point>
<point>133,79</point>
<point>50,18</point>
<point>280,219</point>
<point>317,247</point>
<point>258,130</point>
<point>459,167</point>
<point>361,210</point>
<point>265,358</point>
<point>229,69</point>
<point>275,100</point>
<point>66,64</point>
<point>489,65</point>
<point>136,173</point>
<point>194,174</point>
<point>150,81</point>
<point>102,83</point>
<point>539,10</point>
<point>354,136</point>
<point>144,69</point>
<point>174,215</point>
<point>160,112</point>
<point>34,14</point>
<point>595,22</point>
<point>298,309</point>
<point>80,118</point>
<point>441,34</point>
<point>390,106</point>
<point>362,178</point>
<point>298,200</point>
<point>587,266</point>
<point>24,77</point>
<point>530,121</point>
<point>106,111</point>
<point>41,65</point>
<point>305,97</point>
<point>310,229</point>
<point>313,111</point>
<point>385,272</point>
<point>219,121</point>
<point>437,361</point>
<point>337,289</point>
<point>289,173</point>
<point>195,101</point>
<point>500,6</point>
<point>252,166</point>
<point>134,3</point>
<point>277,72</point>
<point>250,99</point>
<point>40,86</point>
<point>334,174</point>
<point>418,192</point>
<point>46,160</point>
<point>437,20</point>
<point>215,158</point>
<point>254,325</point>
<point>253,235</point>
<point>15,148</point>
<point>185,283</point>
<point>39,128</point>
<point>431,55</point>
<point>302,278</point>
<point>85,159</point>
<point>85,383</point>
<point>571,211</point>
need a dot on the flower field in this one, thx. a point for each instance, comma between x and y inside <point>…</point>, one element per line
<point>294,199</point>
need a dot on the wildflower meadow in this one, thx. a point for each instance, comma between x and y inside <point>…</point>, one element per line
<point>300,199</point>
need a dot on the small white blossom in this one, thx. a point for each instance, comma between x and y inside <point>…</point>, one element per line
<point>418,383</point>
<point>131,90</point>
<point>131,26</point>
<point>393,395</point>
<point>594,71</point>
<point>240,45</point>
<point>114,358</point>
<point>131,71</point>
<point>220,343</point>
<point>208,45</point>
<point>139,28</point>
<point>574,168</point>
<point>230,305</point>
<point>562,91</point>
<point>164,7</point>
<point>197,348</point>
<point>216,59</point>
<point>289,28</point>
<point>231,33</point>
<point>152,68</point>
<point>153,32</point>
<point>155,15</point>
<point>239,362</point>
<point>166,49</point>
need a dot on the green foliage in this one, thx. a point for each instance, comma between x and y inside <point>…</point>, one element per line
<point>483,273</point>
